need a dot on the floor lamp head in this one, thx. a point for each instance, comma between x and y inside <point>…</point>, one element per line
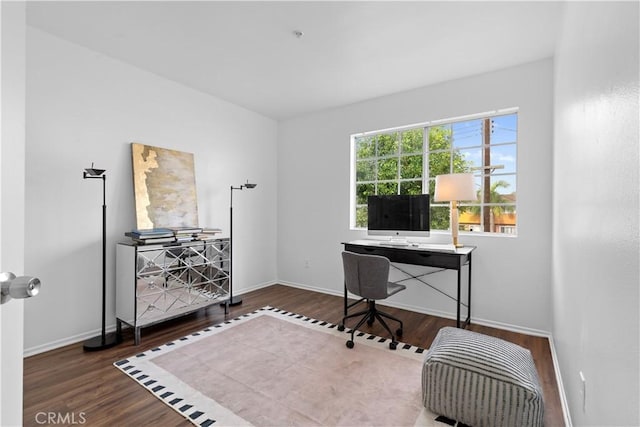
<point>92,172</point>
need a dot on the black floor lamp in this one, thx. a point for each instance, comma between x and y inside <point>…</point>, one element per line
<point>234,301</point>
<point>105,340</point>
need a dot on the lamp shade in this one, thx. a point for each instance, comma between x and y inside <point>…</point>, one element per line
<point>455,187</point>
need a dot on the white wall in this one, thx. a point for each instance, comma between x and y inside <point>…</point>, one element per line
<point>596,189</point>
<point>12,155</point>
<point>511,275</point>
<point>84,107</point>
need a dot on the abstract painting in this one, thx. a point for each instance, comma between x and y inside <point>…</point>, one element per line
<point>165,187</point>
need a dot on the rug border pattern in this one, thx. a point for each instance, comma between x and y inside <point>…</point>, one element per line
<point>189,409</point>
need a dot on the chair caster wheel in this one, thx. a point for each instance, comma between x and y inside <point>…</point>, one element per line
<point>393,345</point>
<point>341,328</point>
<point>349,344</point>
<point>399,332</point>
<point>369,322</point>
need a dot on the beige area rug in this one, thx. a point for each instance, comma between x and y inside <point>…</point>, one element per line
<point>275,368</point>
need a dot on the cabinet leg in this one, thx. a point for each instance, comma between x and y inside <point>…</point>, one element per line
<point>119,329</point>
<point>136,335</point>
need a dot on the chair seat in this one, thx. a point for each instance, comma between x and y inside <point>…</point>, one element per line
<point>394,288</point>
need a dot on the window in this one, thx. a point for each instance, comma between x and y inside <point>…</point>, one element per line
<point>407,160</point>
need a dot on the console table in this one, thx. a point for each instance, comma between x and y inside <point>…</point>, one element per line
<point>425,255</point>
<point>155,283</point>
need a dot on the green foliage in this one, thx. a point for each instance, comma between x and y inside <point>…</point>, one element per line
<point>365,147</point>
<point>365,170</point>
<point>387,168</point>
<point>363,191</point>
<point>387,144</point>
<point>387,188</point>
<point>393,164</point>
<point>410,167</point>
<point>361,216</point>
<point>412,141</point>
<point>411,187</point>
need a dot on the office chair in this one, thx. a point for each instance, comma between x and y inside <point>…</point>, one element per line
<point>367,276</point>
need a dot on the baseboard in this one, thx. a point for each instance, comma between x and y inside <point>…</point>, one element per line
<point>563,395</point>
<point>437,313</point>
<point>255,287</point>
<point>32,351</point>
<point>311,288</point>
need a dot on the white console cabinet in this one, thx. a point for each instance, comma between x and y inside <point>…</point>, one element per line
<point>155,283</point>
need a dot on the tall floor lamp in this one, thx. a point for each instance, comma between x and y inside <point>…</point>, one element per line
<point>234,301</point>
<point>454,188</point>
<point>104,340</point>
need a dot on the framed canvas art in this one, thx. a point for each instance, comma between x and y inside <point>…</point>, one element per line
<point>165,187</point>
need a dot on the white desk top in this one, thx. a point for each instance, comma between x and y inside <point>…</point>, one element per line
<point>435,247</point>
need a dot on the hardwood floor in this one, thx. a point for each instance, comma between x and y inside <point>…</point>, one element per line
<point>70,384</point>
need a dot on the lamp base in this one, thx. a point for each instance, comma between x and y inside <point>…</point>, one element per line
<point>233,301</point>
<point>456,242</point>
<point>97,343</point>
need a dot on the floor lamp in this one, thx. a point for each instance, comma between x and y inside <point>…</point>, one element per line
<point>454,188</point>
<point>234,301</point>
<point>104,340</point>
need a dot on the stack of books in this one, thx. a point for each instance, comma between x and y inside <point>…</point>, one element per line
<point>171,235</point>
<point>151,236</point>
<point>208,233</point>
<point>185,234</point>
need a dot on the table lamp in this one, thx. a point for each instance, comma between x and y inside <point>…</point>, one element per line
<point>453,188</point>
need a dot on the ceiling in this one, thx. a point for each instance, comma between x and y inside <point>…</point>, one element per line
<point>247,53</point>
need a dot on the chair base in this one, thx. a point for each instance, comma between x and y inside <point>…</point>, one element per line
<point>370,315</point>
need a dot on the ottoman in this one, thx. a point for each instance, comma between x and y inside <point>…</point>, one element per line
<point>481,381</point>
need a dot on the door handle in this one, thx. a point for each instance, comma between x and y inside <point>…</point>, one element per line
<point>18,287</point>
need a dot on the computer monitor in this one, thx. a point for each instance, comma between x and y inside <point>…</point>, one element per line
<point>398,216</point>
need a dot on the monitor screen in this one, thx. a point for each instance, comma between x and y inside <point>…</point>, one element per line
<point>399,215</point>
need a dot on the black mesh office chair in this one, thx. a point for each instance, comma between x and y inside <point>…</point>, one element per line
<point>367,276</point>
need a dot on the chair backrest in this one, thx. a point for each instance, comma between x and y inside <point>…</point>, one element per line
<point>366,275</point>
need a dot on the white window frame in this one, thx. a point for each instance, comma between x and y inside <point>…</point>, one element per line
<point>425,166</point>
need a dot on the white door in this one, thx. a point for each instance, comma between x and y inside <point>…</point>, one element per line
<point>12,177</point>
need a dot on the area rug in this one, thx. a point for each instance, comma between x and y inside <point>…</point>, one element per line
<point>276,368</point>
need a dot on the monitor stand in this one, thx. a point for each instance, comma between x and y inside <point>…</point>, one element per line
<point>397,241</point>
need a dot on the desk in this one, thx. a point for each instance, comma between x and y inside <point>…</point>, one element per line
<point>424,255</point>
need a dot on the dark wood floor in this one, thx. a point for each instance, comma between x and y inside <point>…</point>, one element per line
<point>85,387</point>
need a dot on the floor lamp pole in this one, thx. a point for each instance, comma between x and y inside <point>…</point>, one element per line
<point>105,340</point>
<point>233,301</point>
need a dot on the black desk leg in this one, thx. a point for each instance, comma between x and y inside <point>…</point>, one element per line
<point>458,304</point>
<point>469,294</point>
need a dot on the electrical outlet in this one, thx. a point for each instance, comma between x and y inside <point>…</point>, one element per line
<point>583,391</point>
<point>307,263</point>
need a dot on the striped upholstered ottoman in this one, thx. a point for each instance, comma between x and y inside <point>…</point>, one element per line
<point>481,381</point>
